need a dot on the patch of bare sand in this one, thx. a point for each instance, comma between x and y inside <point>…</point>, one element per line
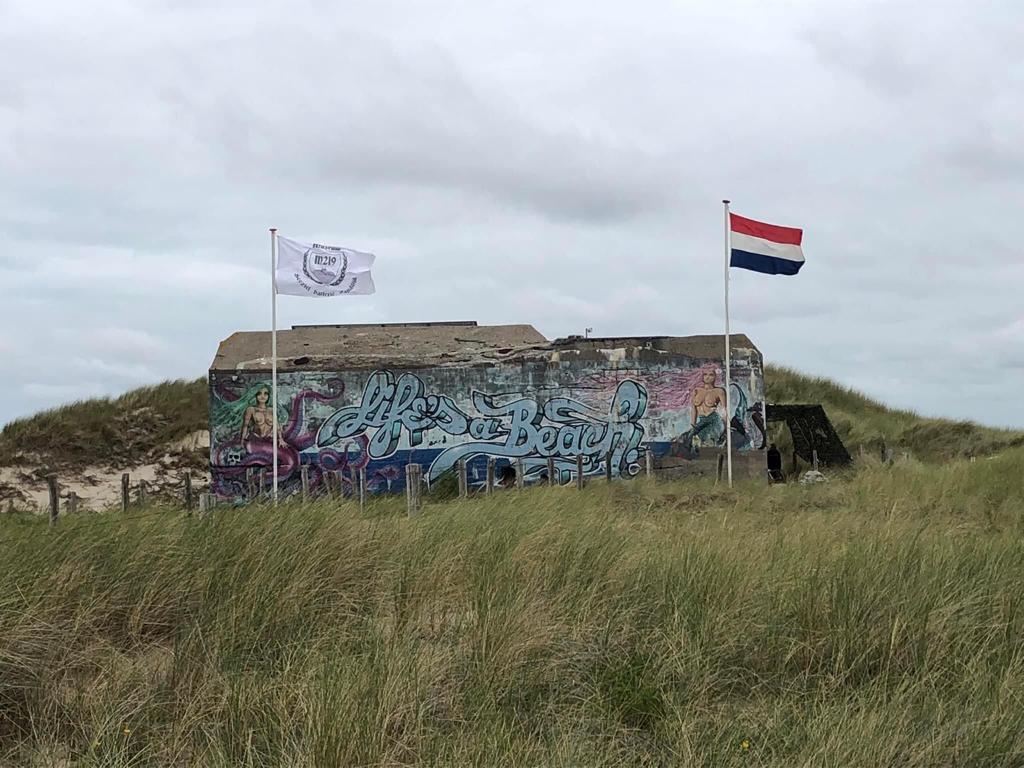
<point>99,487</point>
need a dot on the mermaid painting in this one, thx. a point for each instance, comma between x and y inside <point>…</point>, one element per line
<point>258,419</point>
<point>707,417</point>
<point>695,395</point>
<point>250,418</point>
<point>244,439</point>
<point>708,425</point>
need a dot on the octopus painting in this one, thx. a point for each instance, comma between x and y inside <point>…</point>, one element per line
<point>250,409</point>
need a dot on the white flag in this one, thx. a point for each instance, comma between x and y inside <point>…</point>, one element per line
<point>314,269</point>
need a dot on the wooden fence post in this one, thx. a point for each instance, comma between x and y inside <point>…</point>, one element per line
<point>207,501</point>
<point>339,482</point>
<point>142,493</point>
<point>126,484</point>
<point>814,460</point>
<point>489,487</point>
<point>460,468</point>
<point>418,472</point>
<point>408,489</point>
<point>51,484</point>
<point>261,480</point>
<point>413,475</point>
<point>362,490</point>
<point>608,466</point>
<point>649,462</point>
<point>72,504</point>
<point>188,491</point>
<point>721,465</point>
<point>304,477</point>
<point>520,475</point>
<point>579,471</point>
<point>551,470</point>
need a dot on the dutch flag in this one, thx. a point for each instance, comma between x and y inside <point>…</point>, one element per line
<point>764,247</point>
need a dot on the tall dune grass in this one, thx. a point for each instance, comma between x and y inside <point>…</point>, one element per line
<point>876,620</point>
<point>865,423</point>
<point>122,431</point>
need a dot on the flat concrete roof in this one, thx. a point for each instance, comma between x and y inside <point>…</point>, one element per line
<point>709,347</point>
<point>418,345</point>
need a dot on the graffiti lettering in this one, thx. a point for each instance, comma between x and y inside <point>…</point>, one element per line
<point>513,430</point>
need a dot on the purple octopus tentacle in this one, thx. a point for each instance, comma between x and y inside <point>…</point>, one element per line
<point>362,455</point>
<point>295,431</point>
<point>331,460</point>
<point>227,391</point>
<point>259,454</point>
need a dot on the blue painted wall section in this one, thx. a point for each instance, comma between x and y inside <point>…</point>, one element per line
<point>523,411</point>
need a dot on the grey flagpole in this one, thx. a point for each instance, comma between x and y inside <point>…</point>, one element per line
<point>728,361</point>
<point>273,347</point>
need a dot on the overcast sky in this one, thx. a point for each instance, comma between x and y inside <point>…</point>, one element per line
<point>554,163</point>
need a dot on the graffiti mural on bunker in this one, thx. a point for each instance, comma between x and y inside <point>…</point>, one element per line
<point>708,417</point>
<point>522,428</point>
<point>690,404</point>
<point>379,421</point>
<point>241,437</point>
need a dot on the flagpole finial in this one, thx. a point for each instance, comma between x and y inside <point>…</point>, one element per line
<point>273,229</point>
<point>727,201</point>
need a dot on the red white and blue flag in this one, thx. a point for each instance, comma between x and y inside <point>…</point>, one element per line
<point>764,247</point>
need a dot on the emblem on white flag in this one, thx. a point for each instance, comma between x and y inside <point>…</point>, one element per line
<point>323,271</point>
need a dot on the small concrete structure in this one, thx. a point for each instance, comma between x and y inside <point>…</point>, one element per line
<point>378,397</point>
<point>814,438</point>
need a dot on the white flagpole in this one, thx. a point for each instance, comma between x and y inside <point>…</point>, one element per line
<point>728,361</point>
<point>273,347</point>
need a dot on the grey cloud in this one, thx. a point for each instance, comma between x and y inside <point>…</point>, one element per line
<point>423,123</point>
<point>988,158</point>
<point>124,342</point>
<point>913,50</point>
<point>46,393</point>
<point>556,164</point>
<point>872,49</point>
<point>417,121</point>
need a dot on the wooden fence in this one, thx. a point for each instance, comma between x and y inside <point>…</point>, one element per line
<point>334,482</point>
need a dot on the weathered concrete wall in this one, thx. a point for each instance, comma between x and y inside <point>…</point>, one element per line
<point>560,404</point>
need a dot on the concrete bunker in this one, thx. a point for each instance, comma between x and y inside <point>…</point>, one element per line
<point>377,397</point>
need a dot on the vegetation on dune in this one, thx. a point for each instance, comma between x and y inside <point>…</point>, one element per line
<point>124,431</point>
<point>863,422</point>
<point>131,429</point>
<point>874,620</point>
